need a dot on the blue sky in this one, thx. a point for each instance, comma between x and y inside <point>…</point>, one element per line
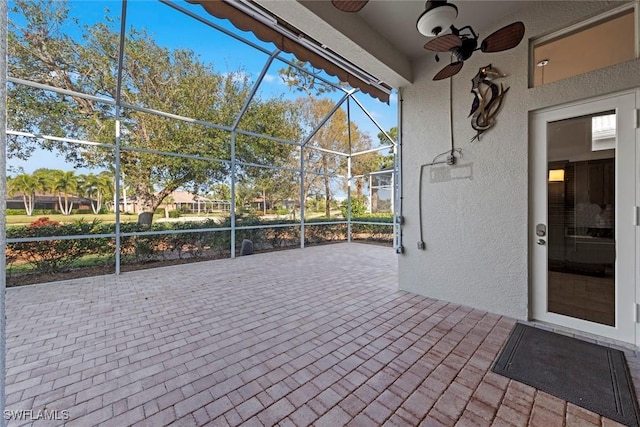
<point>173,29</point>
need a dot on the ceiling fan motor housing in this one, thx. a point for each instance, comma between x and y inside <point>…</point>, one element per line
<point>468,47</point>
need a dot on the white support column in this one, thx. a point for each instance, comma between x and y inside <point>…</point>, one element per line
<point>116,154</point>
<point>3,205</point>
<point>393,187</point>
<point>349,174</point>
<point>233,194</point>
<point>370,193</point>
<point>397,171</point>
<point>349,179</point>
<point>301,197</point>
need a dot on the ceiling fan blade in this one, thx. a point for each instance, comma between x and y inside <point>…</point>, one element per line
<point>505,38</point>
<point>443,43</point>
<point>349,5</point>
<point>449,71</point>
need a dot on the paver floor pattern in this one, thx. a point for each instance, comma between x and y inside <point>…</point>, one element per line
<point>319,336</point>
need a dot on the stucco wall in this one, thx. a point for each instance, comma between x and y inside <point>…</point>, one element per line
<point>475,214</point>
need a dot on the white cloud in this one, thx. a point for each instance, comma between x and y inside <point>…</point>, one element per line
<point>270,78</point>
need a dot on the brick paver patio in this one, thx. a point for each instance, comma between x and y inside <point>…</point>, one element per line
<point>319,336</point>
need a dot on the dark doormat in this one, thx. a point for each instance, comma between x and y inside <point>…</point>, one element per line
<point>588,375</point>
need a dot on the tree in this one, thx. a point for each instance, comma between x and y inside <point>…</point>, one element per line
<point>244,194</point>
<point>386,162</point>
<point>280,186</point>
<point>105,189</point>
<point>27,186</point>
<point>97,188</point>
<point>393,133</point>
<point>220,191</point>
<point>335,135</point>
<point>363,163</point>
<point>303,81</point>
<point>64,184</point>
<point>172,80</point>
<point>43,180</point>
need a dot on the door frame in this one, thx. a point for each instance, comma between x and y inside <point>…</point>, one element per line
<point>626,234</point>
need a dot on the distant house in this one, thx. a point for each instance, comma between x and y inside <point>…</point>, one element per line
<point>44,201</point>
<point>189,202</point>
<point>381,191</point>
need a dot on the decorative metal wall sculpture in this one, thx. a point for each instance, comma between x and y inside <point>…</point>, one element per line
<point>487,99</point>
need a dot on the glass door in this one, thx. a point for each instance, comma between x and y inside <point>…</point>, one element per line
<point>581,247</point>
<point>582,179</point>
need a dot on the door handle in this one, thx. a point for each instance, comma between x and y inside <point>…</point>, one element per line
<point>541,242</point>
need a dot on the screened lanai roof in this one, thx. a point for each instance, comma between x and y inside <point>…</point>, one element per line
<point>293,51</point>
<point>160,96</point>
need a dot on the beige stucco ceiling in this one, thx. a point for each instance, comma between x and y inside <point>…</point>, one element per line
<point>382,37</point>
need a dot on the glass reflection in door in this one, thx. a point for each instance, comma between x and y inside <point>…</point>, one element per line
<point>581,217</point>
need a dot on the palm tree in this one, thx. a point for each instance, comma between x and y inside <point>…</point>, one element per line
<point>97,188</point>
<point>25,184</point>
<point>111,173</point>
<point>105,186</point>
<point>43,178</point>
<point>88,187</point>
<point>65,184</point>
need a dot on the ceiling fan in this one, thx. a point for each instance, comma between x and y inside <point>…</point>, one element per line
<point>461,42</point>
<point>464,41</point>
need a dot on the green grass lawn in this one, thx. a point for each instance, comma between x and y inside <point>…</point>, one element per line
<point>111,217</point>
<point>67,219</point>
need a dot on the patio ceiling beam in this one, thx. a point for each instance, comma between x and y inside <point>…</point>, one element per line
<point>327,117</point>
<point>254,89</point>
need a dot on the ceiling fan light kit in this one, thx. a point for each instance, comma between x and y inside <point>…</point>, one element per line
<point>437,17</point>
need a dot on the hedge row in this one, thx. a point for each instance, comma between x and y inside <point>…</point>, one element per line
<point>103,211</point>
<point>176,242</point>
